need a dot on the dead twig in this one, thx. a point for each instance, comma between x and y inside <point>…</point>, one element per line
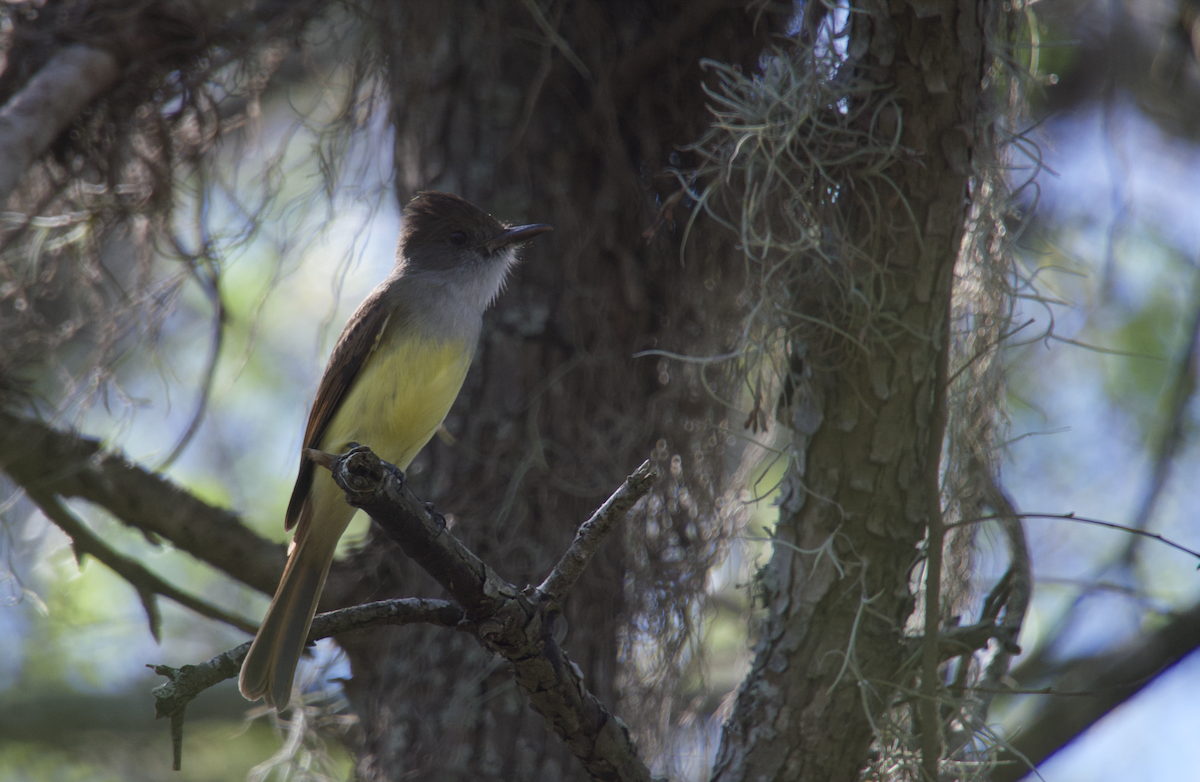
<point>592,533</point>
<point>185,683</point>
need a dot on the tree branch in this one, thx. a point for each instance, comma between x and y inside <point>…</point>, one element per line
<point>1016,589</point>
<point>512,623</point>
<point>592,533</point>
<point>1085,520</point>
<point>79,73</point>
<point>185,683</point>
<point>957,641</point>
<point>53,98</point>
<point>147,584</point>
<point>1111,679</point>
<point>46,461</point>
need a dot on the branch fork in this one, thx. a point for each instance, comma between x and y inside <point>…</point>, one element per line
<point>513,623</point>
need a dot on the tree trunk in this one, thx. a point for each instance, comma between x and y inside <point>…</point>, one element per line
<point>867,423</point>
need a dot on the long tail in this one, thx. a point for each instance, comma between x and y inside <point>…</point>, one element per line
<point>270,665</point>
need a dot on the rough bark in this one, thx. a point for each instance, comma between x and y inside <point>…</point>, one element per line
<point>863,483</point>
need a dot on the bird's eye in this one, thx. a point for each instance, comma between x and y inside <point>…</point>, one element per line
<point>458,238</point>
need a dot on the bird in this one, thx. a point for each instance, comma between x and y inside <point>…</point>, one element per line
<point>392,378</point>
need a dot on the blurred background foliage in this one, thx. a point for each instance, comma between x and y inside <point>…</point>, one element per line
<point>1102,413</point>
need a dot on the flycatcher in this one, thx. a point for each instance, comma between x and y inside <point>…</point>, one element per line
<point>393,376</point>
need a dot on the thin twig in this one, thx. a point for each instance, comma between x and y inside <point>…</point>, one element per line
<point>184,684</point>
<point>931,724</point>
<point>592,533</point>
<point>147,584</point>
<point>211,288</point>
<point>1019,587</point>
<point>190,680</point>
<point>1083,520</point>
<point>1011,594</point>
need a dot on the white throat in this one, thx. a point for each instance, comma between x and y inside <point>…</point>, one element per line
<point>452,302</point>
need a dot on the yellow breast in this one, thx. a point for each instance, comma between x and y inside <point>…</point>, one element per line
<point>400,397</point>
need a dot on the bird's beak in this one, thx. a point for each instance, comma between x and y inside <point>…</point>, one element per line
<point>516,235</point>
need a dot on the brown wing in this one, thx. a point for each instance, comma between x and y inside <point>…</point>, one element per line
<point>354,347</point>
